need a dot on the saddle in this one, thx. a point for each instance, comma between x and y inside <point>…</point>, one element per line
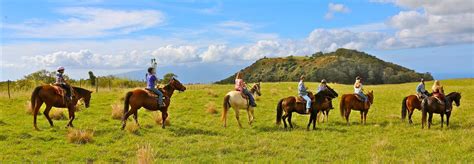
<point>439,97</point>
<point>58,90</point>
<point>359,98</point>
<point>152,94</point>
<point>300,99</point>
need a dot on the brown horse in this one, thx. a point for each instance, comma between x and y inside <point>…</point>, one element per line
<point>325,105</point>
<point>409,104</point>
<point>431,105</point>
<point>141,98</point>
<point>290,105</point>
<point>351,102</point>
<point>49,95</point>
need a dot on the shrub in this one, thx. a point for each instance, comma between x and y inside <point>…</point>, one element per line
<point>145,154</point>
<point>79,136</point>
<point>132,127</point>
<point>158,119</point>
<point>211,108</point>
<point>57,114</point>
<point>117,111</point>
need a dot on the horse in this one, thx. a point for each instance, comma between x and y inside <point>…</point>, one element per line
<point>409,104</point>
<point>235,100</point>
<point>139,98</point>
<point>49,95</point>
<point>351,102</point>
<point>324,110</point>
<point>431,105</point>
<point>290,105</point>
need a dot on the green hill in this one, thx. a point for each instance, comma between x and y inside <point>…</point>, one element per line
<point>341,66</point>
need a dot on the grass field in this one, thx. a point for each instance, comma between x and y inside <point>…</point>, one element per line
<point>195,135</point>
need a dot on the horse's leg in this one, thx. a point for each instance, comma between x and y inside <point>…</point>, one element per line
<point>314,120</point>
<point>71,116</point>
<point>327,115</point>
<point>164,116</point>
<point>447,119</point>
<point>310,120</point>
<point>289,120</point>
<point>410,113</point>
<point>347,114</point>
<point>249,116</point>
<point>125,117</point>
<point>46,114</point>
<point>284,119</point>
<point>36,109</point>
<point>361,117</point>
<point>135,117</point>
<point>365,116</point>
<point>430,117</point>
<point>237,117</point>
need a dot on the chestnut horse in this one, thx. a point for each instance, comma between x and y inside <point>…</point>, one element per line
<point>49,95</point>
<point>431,105</point>
<point>235,100</point>
<point>289,105</point>
<point>351,102</point>
<point>409,104</point>
<point>140,98</point>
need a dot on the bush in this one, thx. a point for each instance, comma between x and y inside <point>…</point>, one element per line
<point>145,154</point>
<point>78,136</point>
<point>211,108</point>
<point>117,111</point>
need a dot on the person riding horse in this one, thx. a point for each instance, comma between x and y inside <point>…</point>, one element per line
<point>60,81</point>
<point>421,92</point>
<point>359,90</point>
<point>303,93</point>
<point>151,83</point>
<point>242,87</point>
<point>322,87</point>
<point>438,93</point>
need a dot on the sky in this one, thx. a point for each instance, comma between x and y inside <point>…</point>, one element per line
<point>209,40</point>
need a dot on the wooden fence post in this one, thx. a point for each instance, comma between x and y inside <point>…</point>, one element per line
<point>97,85</point>
<point>8,85</point>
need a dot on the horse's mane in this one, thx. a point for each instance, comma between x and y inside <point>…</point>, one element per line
<point>452,94</point>
<point>81,90</point>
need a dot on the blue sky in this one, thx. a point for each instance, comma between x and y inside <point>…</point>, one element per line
<point>112,37</point>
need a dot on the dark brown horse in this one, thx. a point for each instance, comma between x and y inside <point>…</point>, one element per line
<point>141,98</point>
<point>351,102</point>
<point>409,104</point>
<point>290,105</point>
<point>48,94</point>
<point>431,105</point>
<point>325,107</point>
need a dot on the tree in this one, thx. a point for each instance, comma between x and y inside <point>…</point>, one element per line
<point>92,78</point>
<point>167,77</point>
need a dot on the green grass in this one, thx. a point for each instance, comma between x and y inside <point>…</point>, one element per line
<point>198,136</point>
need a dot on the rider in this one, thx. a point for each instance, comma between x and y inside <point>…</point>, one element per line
<point>438,92</point>
<point>60,81</point>
<point>323,86</point>
<point>241,87</point>
<point>151,83</point>
<point>420,89</point>
<point>303,93</point>
<point>359,90</point>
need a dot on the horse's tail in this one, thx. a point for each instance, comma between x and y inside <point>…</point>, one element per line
<point>342,106</point>
<point>424,106</point>
<point>279,112</point>
<point>226,106</point>
<point>404,108</point>
<point>33,97</point>
<point>126,102</point>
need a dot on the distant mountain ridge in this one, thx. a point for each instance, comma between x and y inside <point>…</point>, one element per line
<point>341,66</point>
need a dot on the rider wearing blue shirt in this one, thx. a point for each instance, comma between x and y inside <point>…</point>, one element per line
<point>151,83</point>
<point>302,92</point>
<point>420,89</point>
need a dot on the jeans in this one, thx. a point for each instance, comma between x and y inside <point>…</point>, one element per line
<point>251,99</point>
<point>308,101</point>
<point>364,97</point>
<point>157,92</point>
<point>67,88</point>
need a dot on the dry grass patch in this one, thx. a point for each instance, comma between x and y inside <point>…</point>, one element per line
<point>211,108</point>
<point>212,93</point>
<point>132,127</point>
<point>117,111</point>
<point>158,119</point>
<point>79,136</point>
<point>145,154</point>
<point>57,114</point>
<point>28,108</point>
<point>79,106</point>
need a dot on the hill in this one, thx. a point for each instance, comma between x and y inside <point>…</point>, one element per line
<point>341,66</point>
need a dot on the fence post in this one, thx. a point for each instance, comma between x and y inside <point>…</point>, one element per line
<point>8,85</point>
<point>97,85</point>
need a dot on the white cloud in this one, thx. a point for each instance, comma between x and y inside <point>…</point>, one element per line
<point>334,8</point>
<point>89,22</point>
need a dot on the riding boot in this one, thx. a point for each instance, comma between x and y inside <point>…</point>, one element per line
<point>161,104</point>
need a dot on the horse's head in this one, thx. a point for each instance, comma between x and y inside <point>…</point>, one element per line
<point>456,97</point>
<point>370,95</point>
<point>332,93</point>
<point>84,94</point>
<point>177,85</point>
<point>256,89</point>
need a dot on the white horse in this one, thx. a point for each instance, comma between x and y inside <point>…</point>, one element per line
<point>235,100</point>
